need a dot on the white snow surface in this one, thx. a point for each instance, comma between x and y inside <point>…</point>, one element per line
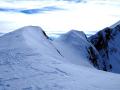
<point>73,46</point>
<point>30,61</point>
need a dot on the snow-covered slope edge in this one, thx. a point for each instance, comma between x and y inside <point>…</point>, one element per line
<point>114,25</point>
<point>28,61</point>
<point>76,49</point>
<point>107,42</point>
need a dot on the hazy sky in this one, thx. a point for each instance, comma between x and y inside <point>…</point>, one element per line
<point>59,16</point>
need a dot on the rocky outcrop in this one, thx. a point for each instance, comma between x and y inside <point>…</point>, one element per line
<point>107,43</point>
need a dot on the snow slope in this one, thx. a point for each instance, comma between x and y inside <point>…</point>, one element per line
<point>75,48</point>
<point>29,61</point>
<point>1,34</point>
<point>107,42</point>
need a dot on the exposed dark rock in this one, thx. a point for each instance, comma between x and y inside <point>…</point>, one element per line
<point>101,41</point>
<point>92,57</point>
<point>45,34</point>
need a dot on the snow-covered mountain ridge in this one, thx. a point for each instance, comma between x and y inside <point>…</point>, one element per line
<point>29,60</point>
<point>76,49</point>
<point>108,45</point>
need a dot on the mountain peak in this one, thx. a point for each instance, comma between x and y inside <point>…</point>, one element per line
<point>76,33</point>
<point>23,36</point>
<point>34,29</point>
<point>73,35</point>
<point>30,28</point>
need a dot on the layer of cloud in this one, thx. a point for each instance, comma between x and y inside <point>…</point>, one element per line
<point>58,15</point>
<point>31,11</point>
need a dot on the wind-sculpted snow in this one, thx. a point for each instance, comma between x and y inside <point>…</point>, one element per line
<point>30,61</point>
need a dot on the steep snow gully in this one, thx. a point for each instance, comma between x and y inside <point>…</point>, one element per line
<point>30,60</point>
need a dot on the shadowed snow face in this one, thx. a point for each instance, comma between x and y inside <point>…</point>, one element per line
<point>58,15</point>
